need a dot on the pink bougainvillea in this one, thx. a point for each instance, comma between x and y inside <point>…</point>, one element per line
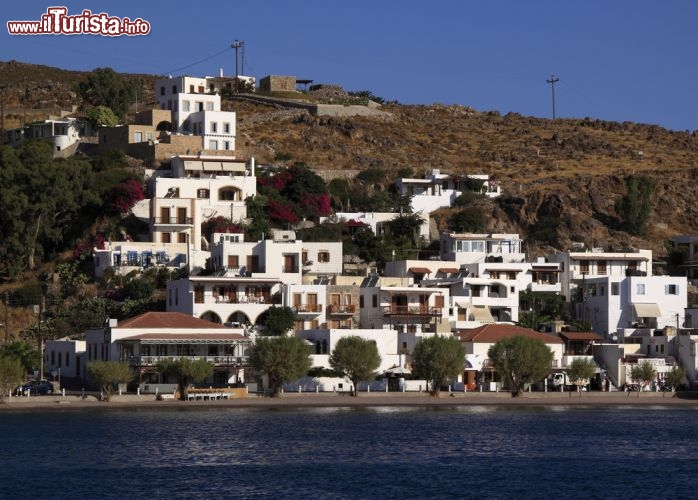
<point>124,196</point>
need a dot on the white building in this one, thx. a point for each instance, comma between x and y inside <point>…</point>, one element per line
<point>688,246</point>
<point>394,304</point>
<point>580,264</point>
<point>473,248</point>
<point>65,358</point>
<point>617,305</point>
<point>201,188</point>
<point>145,340</point>
<point>196,110</point>
<point>439,190</point>
<point>64,134</point>
<point>377,221</point>
<point>249,277</point>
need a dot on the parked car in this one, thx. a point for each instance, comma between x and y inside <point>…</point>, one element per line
<point>37,387</point>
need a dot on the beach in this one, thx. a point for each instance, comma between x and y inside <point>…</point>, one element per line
<point>332,399</point>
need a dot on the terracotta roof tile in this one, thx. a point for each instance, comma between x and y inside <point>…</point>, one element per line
<point>166,320</point>
<point>489,334</point>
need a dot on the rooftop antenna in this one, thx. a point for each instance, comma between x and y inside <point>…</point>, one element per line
<point>237,44</point>
<point>552,81</point>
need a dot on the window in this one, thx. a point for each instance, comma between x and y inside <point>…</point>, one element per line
<point>148,136</point>
<point>166,238</point>
<point>191,89</point>
<point>212,144</point>
<point>169,104</point>
<point>202,193</point>
<point>671,289</point>
<point>198,295</point>
<point>615,288</point>
<point>584,267</point>
<point>601,267</point>
<point>361,301</point>
<point>186,106</point>
<point>181,237</point>
<point>162,90</point>
<point>174,89</point>
<point>226,128</point>
<point>209,106</point>
<point>375,300</point>
<point>640,289</point>
<point>214,127</point>
<point>138,137</point>
<point>323,256</point>
<point>226,144</point>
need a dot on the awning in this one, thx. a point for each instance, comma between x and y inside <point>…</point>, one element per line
<point>420,270</point>
<point>448,270</point>
<point>650,310</point>
<point>481,314</point>
<point>228,166</point>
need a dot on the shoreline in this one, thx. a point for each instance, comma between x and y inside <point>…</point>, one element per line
<point>367,400</point>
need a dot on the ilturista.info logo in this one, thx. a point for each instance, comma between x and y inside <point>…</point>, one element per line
<point>56,21</point>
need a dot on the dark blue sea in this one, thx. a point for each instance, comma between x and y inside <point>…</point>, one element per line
<point>412,452</point>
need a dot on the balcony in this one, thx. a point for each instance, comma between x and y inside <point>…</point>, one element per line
<point>308,309</point>
<point>341,310</point>
<point>413,311</point>
<point>172,221</point>
<point>214,360</point>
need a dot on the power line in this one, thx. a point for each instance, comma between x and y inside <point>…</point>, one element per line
<point>175,70</point>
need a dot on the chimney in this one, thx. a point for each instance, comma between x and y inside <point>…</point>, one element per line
<point>221,72</point>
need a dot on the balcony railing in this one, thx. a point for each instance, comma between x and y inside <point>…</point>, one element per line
<point>172,220</point>
<point>307,308</point>
<point>215,360</point>
<point>411,311</point>
<point>341,309</point>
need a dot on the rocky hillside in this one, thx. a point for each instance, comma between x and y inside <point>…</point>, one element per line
<point>572,170</point>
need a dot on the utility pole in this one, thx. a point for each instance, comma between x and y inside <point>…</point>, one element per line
<point>552,81</point>
<point>236,45</point>
<point>7,317</point>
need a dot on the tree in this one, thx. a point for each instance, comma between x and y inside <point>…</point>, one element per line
<point>355,358</point>
<point>11,375</point>
<point>675,377</point>
<point>580,371</point>
<point>470,219</point>
<point>23,352</point>
<point>277,320</point>
<point>108,374</point>
<point>635,206</point>
<point>102,116</point>
<point>438,359</point>
<point>520,360</point>
<point>106,87</point>
<point>643,374</point>
<point>186,371</point>
<point>282,359</point>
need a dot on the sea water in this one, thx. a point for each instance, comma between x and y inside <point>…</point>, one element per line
<point>382,452</point>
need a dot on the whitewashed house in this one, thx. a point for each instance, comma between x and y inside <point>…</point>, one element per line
<point>580,264</point>
<point>617,306</point>
<point>65,358</point>
<point>196,110</point>
<point>439,190</point>
<point>145,340</point>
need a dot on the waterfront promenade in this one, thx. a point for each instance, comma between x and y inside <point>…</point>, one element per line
<point>70,402</point>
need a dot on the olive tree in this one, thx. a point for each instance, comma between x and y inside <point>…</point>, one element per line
<point>356,358</point>
<point>675,377</point>
<point>107,375</point>
<point>580,372</point>
<point>11,375</point>
<point>643,374</point>
<point>282,359</point>
<point>520,360</point>
<point>185,371</point>
<point>438,359</point>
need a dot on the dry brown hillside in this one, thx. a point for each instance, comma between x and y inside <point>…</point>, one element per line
<point>573,169</point>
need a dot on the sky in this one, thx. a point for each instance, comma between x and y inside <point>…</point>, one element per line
<point>620,60</point>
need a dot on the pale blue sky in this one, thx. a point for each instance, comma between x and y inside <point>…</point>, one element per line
<point>619,60</point>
